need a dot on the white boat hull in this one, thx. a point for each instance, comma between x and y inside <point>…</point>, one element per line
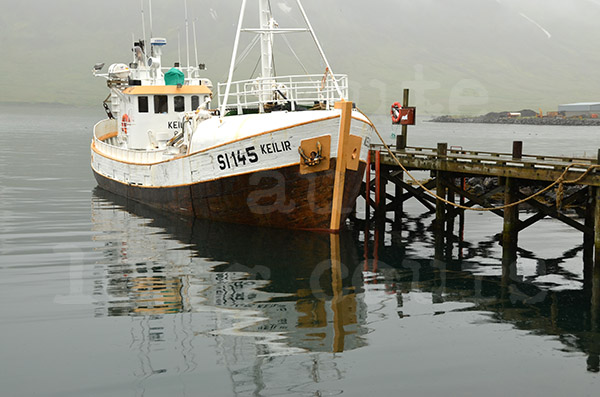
<point>254,178</point>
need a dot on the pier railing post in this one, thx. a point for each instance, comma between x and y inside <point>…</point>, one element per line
<point>517,151</point>
<point>588,238</point>
<point>595,282</point>
<point>440,190</point>
<point>402,138</point>
<point>368,188</point>
<point>377,183</point>
<point>398,192</point>
<point>511,220</point>
<point>450,216</point>
<point>596,226</point>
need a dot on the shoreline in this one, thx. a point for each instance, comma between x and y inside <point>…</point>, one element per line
<point>559,121</point>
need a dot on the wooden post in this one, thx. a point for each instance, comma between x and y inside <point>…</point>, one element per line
<point>440,206</point>
<point>401,145</point>
<point>440,190</point>
<point>401,140</point>
<point>400,208</point>
<point>596,227</point>
<point>450,221</point>
<point>340,167</point>
<point>405,127</point>
<point>398,192</point>
<point>595,299</point>
<point>442,151</point>
<point>595,279</point>
<point>367,237</point>
<point>383,173</point>
<point>376,244</point>
<point>450,212</point>
<point>511,220</point>
<point>588,239</point>
<point>377,182</point>
<point>368,188</point>
<point>517,151</point>
<point>338,296</point>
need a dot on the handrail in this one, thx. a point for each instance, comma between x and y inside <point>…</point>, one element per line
<point>458,152</point>
<point>109,126</point>
<point>294,89</point>
<point>492,158</point>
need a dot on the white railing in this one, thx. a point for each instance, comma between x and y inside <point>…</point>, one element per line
<point>109,126</point>
<point>301,89</point>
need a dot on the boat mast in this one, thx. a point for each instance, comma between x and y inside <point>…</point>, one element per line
<point>267,24</point>
<point>268,27</point>
<point>233,57</point>
<point>266,39</point>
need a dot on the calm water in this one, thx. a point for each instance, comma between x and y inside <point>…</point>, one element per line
<point>99,297</point>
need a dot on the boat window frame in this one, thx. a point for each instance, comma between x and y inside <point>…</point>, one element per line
<point>161,104</point>
<point>181,107</point>
<point>146,108</point>
<point>195,98</point>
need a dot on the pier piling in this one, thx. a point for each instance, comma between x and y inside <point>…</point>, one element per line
<point>440,206</point>
<point>511,220</point>
<point>515,175</point>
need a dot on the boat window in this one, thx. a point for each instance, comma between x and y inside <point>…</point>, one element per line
<point>143,104</point>
<point>195,102</point>
<point>161,104</point>
<point>179,103</point>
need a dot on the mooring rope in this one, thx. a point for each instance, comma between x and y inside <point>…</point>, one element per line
<point>560,181</point>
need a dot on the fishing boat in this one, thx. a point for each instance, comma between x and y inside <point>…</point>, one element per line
<point>285,151</point>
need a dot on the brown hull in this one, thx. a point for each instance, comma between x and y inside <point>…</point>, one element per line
<point>281,198</point>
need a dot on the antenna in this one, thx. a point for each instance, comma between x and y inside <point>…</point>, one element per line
<point>178,47</point>
<point>150,5</point>
<point>187,36</point>
<point>143,21</point>
<point>195,42</point>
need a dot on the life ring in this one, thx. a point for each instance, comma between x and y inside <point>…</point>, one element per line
<point>125,122</point>
<point>395,112</point>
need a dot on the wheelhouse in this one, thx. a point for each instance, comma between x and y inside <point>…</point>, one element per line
<point>153,114</point>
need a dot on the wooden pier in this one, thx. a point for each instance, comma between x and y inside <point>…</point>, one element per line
<point>518,180</point>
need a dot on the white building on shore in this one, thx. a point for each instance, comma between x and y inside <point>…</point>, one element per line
<point>580,109</point>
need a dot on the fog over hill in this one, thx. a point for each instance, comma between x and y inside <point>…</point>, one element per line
<point>456,56</point>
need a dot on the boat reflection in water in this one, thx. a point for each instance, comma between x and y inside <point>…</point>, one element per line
<point>275,302</point>
<point>261,292</point>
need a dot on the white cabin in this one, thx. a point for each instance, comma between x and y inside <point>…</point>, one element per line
<point>151,115</point>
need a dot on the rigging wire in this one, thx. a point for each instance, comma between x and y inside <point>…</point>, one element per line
<point>247,51</point>
<point>294,53</point>
<point>255,67</point>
